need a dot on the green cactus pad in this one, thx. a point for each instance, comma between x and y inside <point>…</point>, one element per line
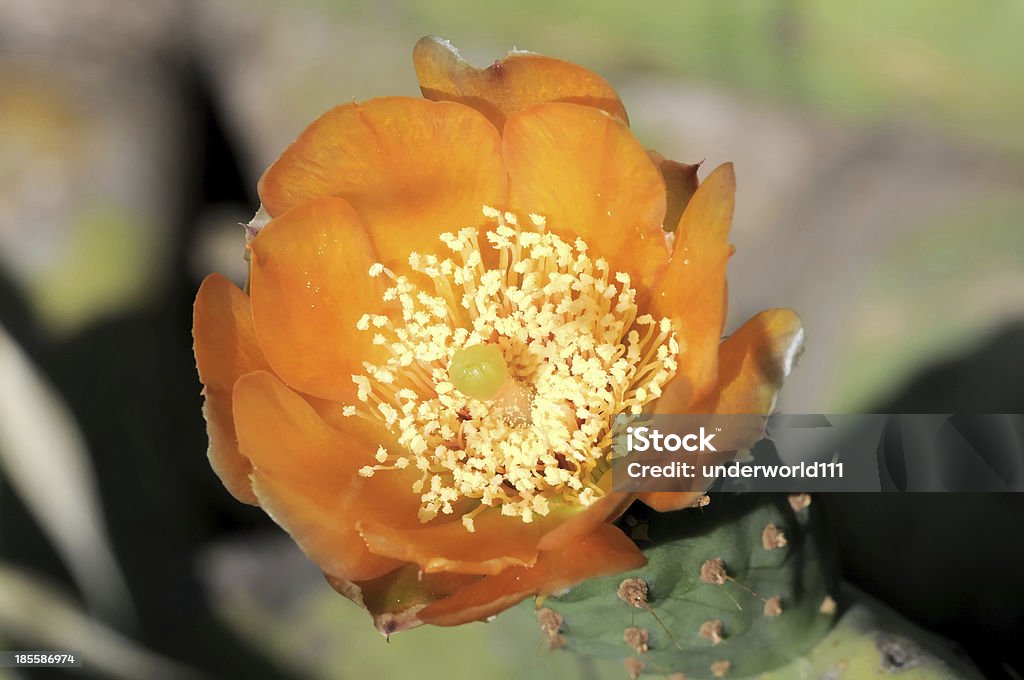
<point>870,641</point>
<point>683,613</point>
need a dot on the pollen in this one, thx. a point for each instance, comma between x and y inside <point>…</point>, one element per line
<point>505,364</point>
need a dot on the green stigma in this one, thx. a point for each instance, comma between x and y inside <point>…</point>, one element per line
<point>478,371</point>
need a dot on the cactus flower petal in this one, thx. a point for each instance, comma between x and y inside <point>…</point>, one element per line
<point>692,290</point>
<point>509,85</point>
<point>753,362</point>
<point>680,184</point>
<point>226,349</point>
<point>305,475</point>
<point>607,549</point>
<point>586,173</point>
<point>411,168</point>
<point>496,543</point>
<point>395,599</point>
<point>585,521</point>
<point>309,287</point>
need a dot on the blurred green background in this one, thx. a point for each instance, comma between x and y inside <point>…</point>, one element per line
<point>880,159</point>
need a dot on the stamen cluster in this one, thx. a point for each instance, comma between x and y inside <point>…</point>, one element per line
<point>570,333</point>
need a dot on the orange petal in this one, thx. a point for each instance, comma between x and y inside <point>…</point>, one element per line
<point>395,598</point>
<point>753,362</point>
<point>692,290</point>
<point>497,543</point>
<point>752,365</point>
<point>667,501</point>
<point>225,342</point>
<point>680,185</point>
<point>226,348</point>
<point>585,172</point>
<point>584,521</point>
<point>510,85</point>
<point>230,466</point>
<point>411,168</point>
<point>309,288</point>
<point>606,551</point>
<point>305,474</point>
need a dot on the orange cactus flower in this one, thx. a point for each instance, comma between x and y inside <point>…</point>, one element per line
<point>451,299</point>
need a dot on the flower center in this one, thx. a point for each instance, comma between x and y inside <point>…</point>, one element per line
<point>501,383</point>
<point>480,371</point>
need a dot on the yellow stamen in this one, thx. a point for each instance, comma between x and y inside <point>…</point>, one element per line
<point>501,384</point>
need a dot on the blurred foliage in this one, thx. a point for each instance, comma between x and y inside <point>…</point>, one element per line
<point>909,315</point>
<point>84,284</point>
